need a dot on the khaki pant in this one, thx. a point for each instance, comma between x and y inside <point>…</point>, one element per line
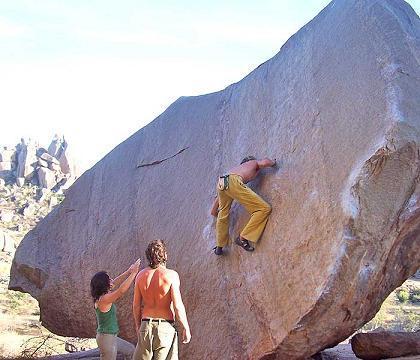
<point>253,203</point>
<point>157,341</point>
<point>109,345</point>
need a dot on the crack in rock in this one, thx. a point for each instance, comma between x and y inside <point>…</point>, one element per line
<point>157,162</point>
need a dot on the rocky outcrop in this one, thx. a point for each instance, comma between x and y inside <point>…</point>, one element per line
<point>382,345</point>
<point>26,160</point>
<point>59,149</point>
<point>28,163</point>
<point>339,106</point>
<point>20,209</point>
<point>46,178</point>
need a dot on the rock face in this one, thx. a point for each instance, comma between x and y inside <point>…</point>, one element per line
<point>382,345</point>
<point>339,105</point>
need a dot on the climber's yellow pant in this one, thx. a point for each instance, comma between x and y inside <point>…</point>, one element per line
<point>253,203</point>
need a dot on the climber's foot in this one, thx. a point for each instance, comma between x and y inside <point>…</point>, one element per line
<point>244,244</point>
<point>218,250</point>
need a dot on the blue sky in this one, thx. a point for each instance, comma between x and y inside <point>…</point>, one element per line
<point>187,28</point>
<point>98,70</point>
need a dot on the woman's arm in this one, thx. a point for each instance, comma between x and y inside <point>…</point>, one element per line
<point>120,278</point>
<point>113,296</point>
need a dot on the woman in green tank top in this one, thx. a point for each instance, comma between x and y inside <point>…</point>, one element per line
<point>106,312</point>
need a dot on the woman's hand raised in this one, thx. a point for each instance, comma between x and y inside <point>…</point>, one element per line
<point>134,268</point>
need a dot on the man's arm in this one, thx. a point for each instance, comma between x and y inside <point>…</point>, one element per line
<point>266,163</point>
<point>137,305</point>
<point>215,207</point>
<point>179,308</point>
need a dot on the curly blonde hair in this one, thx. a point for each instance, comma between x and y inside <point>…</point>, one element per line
<point>156,253</point>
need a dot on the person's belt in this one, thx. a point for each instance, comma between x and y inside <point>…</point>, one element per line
<point>158,320</point>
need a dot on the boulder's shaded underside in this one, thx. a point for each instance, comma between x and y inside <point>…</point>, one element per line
<point>339,105</point>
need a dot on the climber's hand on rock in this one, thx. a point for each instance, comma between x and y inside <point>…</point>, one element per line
<point>186,336</point>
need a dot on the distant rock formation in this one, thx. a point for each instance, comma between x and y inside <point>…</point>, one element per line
<point>28,163</point>
<point>339,104</point>
<point>20,209</point>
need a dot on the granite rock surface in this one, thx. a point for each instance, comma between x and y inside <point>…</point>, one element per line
<point>385,344</point>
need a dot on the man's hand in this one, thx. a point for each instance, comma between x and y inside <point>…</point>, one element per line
<point>266,162</point>
<point>186,336</point>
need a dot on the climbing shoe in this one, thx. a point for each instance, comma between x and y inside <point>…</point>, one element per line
<point>218,250</point>
<point>244,244</point>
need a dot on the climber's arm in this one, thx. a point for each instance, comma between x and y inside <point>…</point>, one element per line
<point>215,207</point>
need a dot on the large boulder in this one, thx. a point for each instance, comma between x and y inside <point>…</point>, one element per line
<point>385,344</point>
<point>339,105</point>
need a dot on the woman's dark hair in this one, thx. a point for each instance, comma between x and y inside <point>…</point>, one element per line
<point>248,158</point>
<point>99,285</point>
<point>156,253</point>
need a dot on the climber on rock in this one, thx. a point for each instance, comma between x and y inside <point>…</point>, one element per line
<point>232,187</point>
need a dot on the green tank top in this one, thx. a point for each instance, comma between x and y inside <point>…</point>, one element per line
<point>107,321</point>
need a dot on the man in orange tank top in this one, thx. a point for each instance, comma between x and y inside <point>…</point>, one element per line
<point>157,303</point>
